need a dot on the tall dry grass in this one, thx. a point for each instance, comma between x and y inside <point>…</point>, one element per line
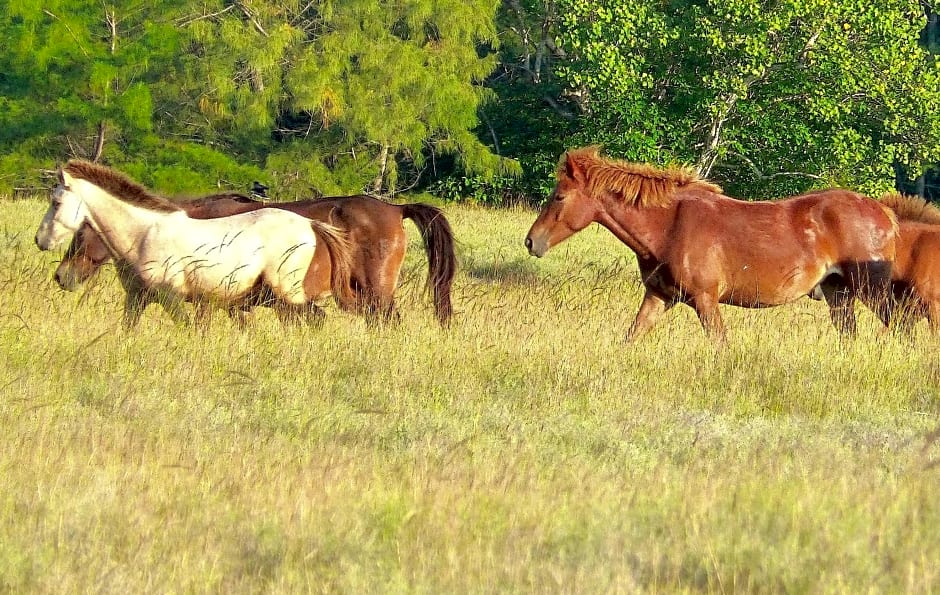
<point>525,449</point>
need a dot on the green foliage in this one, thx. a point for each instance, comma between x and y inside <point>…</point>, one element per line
<point>103,69</point>
<point>387,83</point>
<point>768,99</point>
<point>473,99</point>
<point>299,171</point>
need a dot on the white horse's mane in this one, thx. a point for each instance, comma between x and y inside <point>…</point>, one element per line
<point>118,185</point>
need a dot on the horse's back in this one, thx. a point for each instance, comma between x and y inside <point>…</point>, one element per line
<point>854,226</point>
<point>846,224</point>
<point>374,227</point>
<point>770,252</point>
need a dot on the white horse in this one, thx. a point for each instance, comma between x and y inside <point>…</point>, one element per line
<point>236,261</point>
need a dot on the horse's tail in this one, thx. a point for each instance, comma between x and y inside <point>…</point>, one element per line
<point>439,246</point>
<point>340,251</point>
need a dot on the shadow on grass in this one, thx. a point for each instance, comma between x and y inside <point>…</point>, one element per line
<point>517,272</point>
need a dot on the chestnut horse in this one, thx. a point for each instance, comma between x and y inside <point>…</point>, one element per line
<point>374,228</point>
<point>696,246</point>
<point>916,272</point>
<point>232,261</point>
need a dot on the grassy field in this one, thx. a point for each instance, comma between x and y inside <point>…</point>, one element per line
<point>526,449</point>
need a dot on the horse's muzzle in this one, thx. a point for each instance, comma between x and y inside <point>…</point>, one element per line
<point>43,245</point>
<point>66,281</point>
<point>535,248</point>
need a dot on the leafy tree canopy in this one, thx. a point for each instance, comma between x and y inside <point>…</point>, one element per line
<point>768,98</point>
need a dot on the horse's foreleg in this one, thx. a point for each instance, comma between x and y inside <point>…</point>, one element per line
<point>135,300</point>
<point>651,308</point>
<point>841,301</point>
<point>872,282</point>
<point>202,313</point>
<point>706,306</point>
<point>314,315</point>
<point>289,314</point>
<point>175,308</point>
<point>239,315</point>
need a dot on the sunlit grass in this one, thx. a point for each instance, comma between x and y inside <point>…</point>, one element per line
<point>527,448</point>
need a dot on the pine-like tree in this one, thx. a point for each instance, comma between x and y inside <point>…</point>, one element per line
<point>351,90</point>
<point>101,80</point>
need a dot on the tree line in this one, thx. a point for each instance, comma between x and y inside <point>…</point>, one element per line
<point>470,99</point>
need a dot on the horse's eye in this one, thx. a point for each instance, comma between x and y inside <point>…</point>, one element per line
<point>559,197</point>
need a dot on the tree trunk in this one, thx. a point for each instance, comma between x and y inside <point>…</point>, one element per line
<point>99,143</point>
<point>383,168</point>
<point>111,20</point>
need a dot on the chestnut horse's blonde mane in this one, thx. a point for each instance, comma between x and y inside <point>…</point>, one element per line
<point>911,208</point>
<point>118,185</point>
<point>639,183</point>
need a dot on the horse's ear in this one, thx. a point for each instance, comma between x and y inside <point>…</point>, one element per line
<point>60,174</point>
<point>573,169</point>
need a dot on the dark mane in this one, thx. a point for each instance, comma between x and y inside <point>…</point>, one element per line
<point>202,200</point>
<point>911,208</point>
<point>118,185</point>
<point>638,183</point>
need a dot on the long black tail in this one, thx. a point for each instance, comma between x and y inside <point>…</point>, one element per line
<point>439,246</point>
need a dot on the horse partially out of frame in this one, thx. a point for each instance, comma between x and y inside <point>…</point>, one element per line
<point>915,275</point>
<point>374,228</point>
<point>265,255</point>
<point>696,246</point>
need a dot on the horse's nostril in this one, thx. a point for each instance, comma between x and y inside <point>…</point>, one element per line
<point>528,243</point>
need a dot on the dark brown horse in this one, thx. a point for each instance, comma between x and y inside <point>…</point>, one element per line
<point>916,272</point>
<point>696,246</point>
<point>374,229</point>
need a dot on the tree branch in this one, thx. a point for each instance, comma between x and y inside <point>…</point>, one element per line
<point>182,22</point>
<point>251,18</point>
<point>69,29</point>
<point>782,174</point>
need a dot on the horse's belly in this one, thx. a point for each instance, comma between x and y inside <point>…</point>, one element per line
<point>755,290</point>
<point>219,274</point>
<point>224,281</point>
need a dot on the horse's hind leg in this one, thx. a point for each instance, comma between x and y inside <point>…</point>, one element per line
<point>932,308</point>
<point>377,299</point>
<point>315,315</point>
<point>907,310</point>
<point>379,309</point>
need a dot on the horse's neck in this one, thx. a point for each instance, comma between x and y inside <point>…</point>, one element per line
<point>643,229</point>
<point>120,224</point>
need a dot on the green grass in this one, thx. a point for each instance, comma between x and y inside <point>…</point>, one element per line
<point>527,449</point>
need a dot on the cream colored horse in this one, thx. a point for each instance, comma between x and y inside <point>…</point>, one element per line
<point>224,261</point>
